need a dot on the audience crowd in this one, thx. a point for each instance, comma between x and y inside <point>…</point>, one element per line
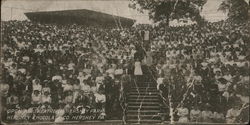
<point>77,69</point>
<point>205,71</point>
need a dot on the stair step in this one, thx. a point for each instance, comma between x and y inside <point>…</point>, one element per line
<point>138,102</point>
<point>143,111</point>
<point>143,121</point>
<point>145,82</point>
<point>144,87</point>
<point>144,116</point>
<point>153,112</point>
<point>143,107</point>
<point>143,100</point>
<point>143,96</point>
<point>143,90</point>
<point>144,103</point>
<point>143,93</point>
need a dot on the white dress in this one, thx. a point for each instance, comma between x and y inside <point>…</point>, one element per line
<point>138,70</point>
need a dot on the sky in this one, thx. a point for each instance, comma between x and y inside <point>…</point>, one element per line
<point>15,9</point>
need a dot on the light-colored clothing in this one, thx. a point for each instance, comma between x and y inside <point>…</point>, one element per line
<point>99,79</point>
<point>111,72</point>
<point>57,77</point>
<point>68,99</point>
<point>100,98</point>
<point>244,99</point>
<point>148,60</point>
<point>159,82</point>
<point>37,87</point>
<point>195,115</point>
<point>228,77</point>
<point>218,117</point>
<point>232,114</point>
<point>222,87</point>
<point>206,116</point>
<point>81,78</point>
<point>45,89</point>
<point>183,113</point>
<point>36,99</point>
<point>71,66</point>
<point>118,72</point>
<point>85,87</point>
<point>59,115</point>
<point>4,89</point>
<point>138,70</point>
<point>67,87</point>
<point>59,112</point>
<point>12,100</point>
<point>46,99</point>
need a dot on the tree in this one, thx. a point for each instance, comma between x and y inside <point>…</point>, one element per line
<point>167,10</point>
<point>237,9</point>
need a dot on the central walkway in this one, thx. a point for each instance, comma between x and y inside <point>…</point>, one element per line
<point>143,102</point>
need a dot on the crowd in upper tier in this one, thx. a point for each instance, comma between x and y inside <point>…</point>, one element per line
<point>206,68</point>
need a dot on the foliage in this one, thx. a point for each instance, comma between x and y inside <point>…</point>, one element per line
<point>166,10</point>
<point>237,9</point>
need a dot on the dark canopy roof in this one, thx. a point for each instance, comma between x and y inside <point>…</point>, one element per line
<point>82,16</point>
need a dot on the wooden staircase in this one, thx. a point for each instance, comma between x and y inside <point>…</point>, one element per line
<point>143,104</point>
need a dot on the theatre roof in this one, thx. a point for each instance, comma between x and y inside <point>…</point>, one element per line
<point>80,16</point>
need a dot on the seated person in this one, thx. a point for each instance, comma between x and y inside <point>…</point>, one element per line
<point>59,113</point>
<point>195,114</point>
<point>100,99</point>
<point>36,97</point>
<point>36,85</point>
<point>12,100</point>
<point>25,100</point>
<point>69,97</point>
<point>183,114</point>
<point>46,87</point>
<point>85,87</point>
<point>67,86</point>
<point>57,77</point>
<point>206,114</point>
<point>232,114</point>
<point>46,97</point>
<point>218,117</point>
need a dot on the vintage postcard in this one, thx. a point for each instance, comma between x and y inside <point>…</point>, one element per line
<point>125,62</point>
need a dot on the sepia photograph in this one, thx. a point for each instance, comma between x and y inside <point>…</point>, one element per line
<point>116,62</point>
